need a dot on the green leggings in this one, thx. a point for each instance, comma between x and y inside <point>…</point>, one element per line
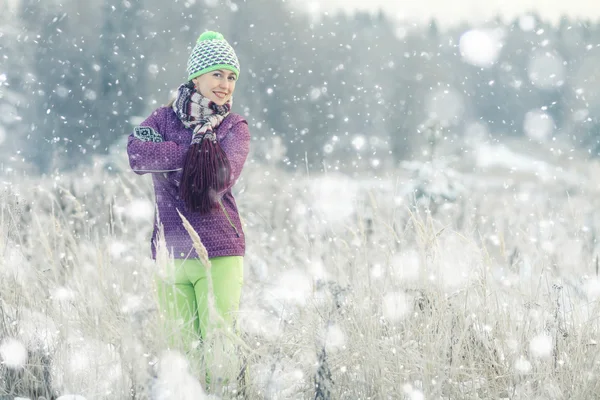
<point>183,303</point>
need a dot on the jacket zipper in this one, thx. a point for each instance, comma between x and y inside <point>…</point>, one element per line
<point>237,233</point>
<point>156,171</point>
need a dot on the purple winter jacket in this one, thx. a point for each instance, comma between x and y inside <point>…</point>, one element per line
<point>220,230</point>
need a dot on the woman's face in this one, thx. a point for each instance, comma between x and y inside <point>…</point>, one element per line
<point>217,85</point>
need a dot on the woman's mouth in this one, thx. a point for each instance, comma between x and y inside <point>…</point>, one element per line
<point>220,95</point>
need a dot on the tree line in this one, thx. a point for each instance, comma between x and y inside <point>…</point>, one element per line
<point>350,91</point>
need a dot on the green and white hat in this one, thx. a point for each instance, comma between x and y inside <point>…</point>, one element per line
<point>210,53</point>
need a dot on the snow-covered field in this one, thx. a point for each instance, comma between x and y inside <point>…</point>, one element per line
<point>487,288</point>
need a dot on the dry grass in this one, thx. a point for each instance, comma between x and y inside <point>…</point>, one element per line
<point>494,296</point>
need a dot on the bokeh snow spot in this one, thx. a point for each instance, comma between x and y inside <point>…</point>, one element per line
<point>13,353</point>
<point>132,303</point>
<point>174,382</point>
<point>541,346</point>
<point>63,297</point>
<point>317,269</point>
<point>412,393</point>
<point>117,248</point>
<point>480,47</point>
<point>358,142</point>
<point>396,306</point>
<point>16,266</point>
<point>406,266</point>
<point>476,133</point>
<point>315,93</point>
<point>377,271</point>
<point>334,197</point>
<point>153,69</point>
<point>90,95</point>
<point>2,135</point>
<point>292,287</point>
<point>455,268</point>
<point>571,253</point>
<point>278,379</point>
<point>527,23</point>
<point>522,365</point>
<point>257,321</point>
<point>8,113</point>
<point>592,289</point>
<point>538,125</point>
<point>335,339</point>
<point>140,210</point>
<point>546,69</point>
<point>62,91</point>
<point>401,32</point>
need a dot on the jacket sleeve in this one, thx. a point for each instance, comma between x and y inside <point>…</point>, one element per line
<point>236,145</point>
<point>154,157</point>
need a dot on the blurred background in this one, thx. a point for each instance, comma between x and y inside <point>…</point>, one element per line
<point>352,86</point>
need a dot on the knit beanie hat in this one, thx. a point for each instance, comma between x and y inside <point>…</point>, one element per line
<point>210,53</point>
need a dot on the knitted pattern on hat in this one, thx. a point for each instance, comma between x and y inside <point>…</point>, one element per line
<point>210,53</point>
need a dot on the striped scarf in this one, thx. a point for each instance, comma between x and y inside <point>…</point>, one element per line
<point>199,112</point>
<point>206,169</point>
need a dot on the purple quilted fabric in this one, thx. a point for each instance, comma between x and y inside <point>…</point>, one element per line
<point>220,231</point>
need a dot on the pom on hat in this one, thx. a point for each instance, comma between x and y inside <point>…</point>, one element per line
<point>210,35</point>
<point>210,53</point>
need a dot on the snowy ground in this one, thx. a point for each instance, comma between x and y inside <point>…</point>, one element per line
<point>487,289</point>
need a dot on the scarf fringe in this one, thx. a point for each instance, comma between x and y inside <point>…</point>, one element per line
<point>206,175</point>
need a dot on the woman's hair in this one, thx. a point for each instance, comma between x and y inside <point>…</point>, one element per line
<point>174,96</point>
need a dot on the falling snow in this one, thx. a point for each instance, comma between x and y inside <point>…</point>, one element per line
<point>541,346</point>
<point>13,353</point>
<point>480,47</point>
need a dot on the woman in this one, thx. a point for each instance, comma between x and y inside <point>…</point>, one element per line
<point>195,149</point>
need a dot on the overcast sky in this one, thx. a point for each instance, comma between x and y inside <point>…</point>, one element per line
<point>453,11</point>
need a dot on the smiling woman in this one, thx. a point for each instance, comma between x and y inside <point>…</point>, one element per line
<point>195,149</point>
<point>218,85</point>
